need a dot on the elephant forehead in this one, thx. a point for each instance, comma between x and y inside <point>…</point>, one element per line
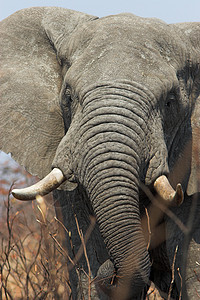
<point>124,47</point>
<point>127,34</point>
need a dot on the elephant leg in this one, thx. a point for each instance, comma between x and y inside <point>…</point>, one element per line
<point>193,269</point>
<point>183,244</point>
<point>74,206</point>
<point>161,273</point>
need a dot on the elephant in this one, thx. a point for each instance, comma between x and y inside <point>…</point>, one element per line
<point>101,109</point>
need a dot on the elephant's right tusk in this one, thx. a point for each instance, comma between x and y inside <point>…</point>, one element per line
<point>43,187</point>
<point>167,193</point>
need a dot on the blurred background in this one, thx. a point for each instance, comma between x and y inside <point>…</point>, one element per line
<point>170,11</point>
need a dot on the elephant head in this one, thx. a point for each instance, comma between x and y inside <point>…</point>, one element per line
<point>106,103</point>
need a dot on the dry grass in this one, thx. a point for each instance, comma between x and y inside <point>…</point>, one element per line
<point>31,265</point>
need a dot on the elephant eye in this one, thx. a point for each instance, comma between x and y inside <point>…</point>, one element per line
<point>66,98</point>
<point>66,103</point>
<point>68,95</point>
<point>170,101</point>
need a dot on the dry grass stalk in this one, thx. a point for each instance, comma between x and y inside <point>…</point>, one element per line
<point>148,228</point>
<point>172,281</point>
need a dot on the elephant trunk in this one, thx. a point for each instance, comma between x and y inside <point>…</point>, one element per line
<point>109,169</point>
<point>117,211</point>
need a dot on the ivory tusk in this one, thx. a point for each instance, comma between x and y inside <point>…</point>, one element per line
<point>167,193</point>
<point>43,187</point>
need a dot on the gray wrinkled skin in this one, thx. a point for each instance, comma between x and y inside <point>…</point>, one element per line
<point>112,102</point>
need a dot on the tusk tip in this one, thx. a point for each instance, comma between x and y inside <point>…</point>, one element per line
<point>179,197</point>
<point>19,194</point>
<point>15,193</point>
<point>167,193</point>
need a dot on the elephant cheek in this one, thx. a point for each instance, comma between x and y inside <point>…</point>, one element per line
<point>157,166</point>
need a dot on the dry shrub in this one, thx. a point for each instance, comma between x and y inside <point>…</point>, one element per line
<point>31,265</point>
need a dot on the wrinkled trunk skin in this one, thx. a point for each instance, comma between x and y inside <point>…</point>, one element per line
<point>118,218</point>
<point>109,169</point>
<point>123,236</point>
<point>188,253</point>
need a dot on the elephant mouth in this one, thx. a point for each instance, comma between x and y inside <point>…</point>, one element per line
<point>55,178</point>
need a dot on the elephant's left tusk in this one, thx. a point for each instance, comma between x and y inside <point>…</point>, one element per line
<point>167,193</point>
<point>43,187</point>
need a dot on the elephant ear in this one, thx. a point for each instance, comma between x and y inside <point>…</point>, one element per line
<point>192,32</point>
<point>31,124</point>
